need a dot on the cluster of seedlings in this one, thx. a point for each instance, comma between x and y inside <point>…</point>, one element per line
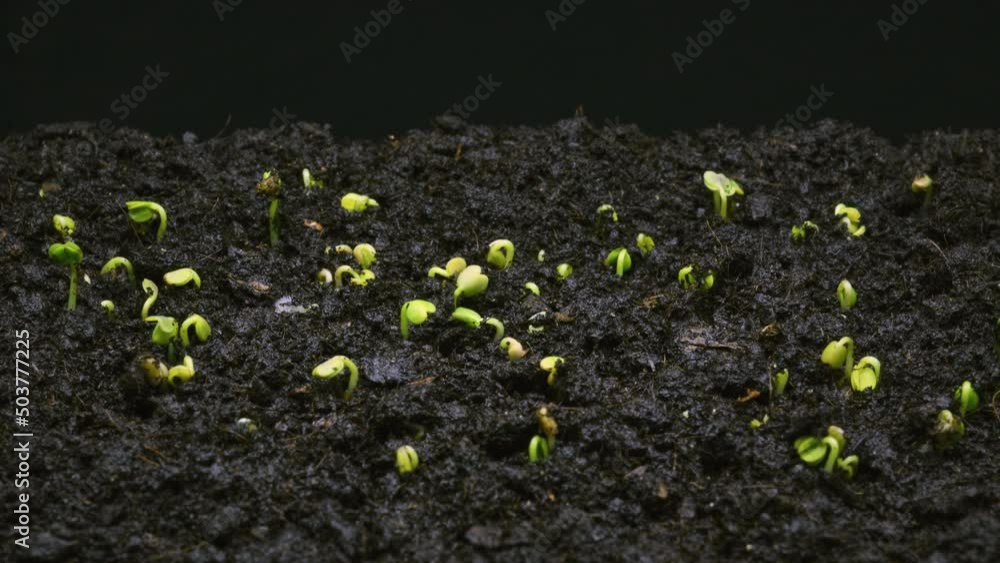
<point>471,281</point>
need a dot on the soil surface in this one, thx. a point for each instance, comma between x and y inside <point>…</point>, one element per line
<point>655,458</point>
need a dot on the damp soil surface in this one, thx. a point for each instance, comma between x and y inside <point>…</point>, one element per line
<point>655,458</point>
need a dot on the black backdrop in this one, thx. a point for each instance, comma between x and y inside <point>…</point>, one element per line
<point>936,69</point>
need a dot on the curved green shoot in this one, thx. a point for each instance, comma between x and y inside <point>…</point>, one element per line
<point>533,288</point>
<point>968,399</point>
<point>357,203</point>
<point>182,277</point>
<point>470,283</point>
<point>551,364</point>
<point>414,312</point>
<point>839,354</point>
<point>498,329</point>
<point>851,219</point>
<point>407,459</point>
<point>181,374</point>
<point>202,330</point>
<point>866,374</point>
<point>70,255</point>
<point>846,295</point>
<point>142,212</point>
<point>334,367</point>
<point>466,316</point>
<point>564,271</point>
<point>607,209</point>
<point>621,259</point>
<point>364,254</point>
<point>722,189</point>
<point>500,254</point>
<point>644,243</point>
<point>111,266</point>
<point>515,351</point>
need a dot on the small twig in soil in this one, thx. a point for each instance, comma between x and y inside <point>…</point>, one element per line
<point>700,342</point>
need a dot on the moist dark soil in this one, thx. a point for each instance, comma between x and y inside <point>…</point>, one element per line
<point>655,457</point>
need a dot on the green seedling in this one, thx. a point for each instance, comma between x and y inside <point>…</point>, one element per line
<point>866,373</point>
<point>607,210</point>
<point>414,313</point>
<point>64,225</point>
<point>68,254</point>
<point>923,185</point>
<point>564,271</point>
<point>799,232</point>
<point>364,254</point>
<point>813,450</point>
<point>334,367</point>
<point>500,254</point>
<point>498,328</point>
<point>778,383</point>
<point>541,256</point>
<point>270,186</point>
<point>757,423</point>
<point>342,249</point>
<point>357,278</point>
<point>532,329</point>
<point>202,330</point>
<point>454,267</point>
<point>551,364</point>
<point>533,288</point>
<point>644,243</point>
<point>851,219</point>
<point>142,212</point>
<point>948,430</point>
<point>621,259</point>
<point>541,446</point>
<point>839,354</point>
<point>467,316</point>
<point>309,181</point>
<point>150,288</point>
<point>109,306</point>
<point>406,459</point>
<point>357,203</point>
<point>165,332</point>
<point>688,281</point>
<point>111,267</point>
<point>722,189</point>
<point>470,283</point>
<point>846,295</point>
<point>513,348</point>
<point>182,277</point>
<point>968,399</point>
<point>178,375</point>
<point>324,277</point>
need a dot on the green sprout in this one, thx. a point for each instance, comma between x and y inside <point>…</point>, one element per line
<point>270,186</point>
<point>500,254</point>
<point>498,328</point>
<point>365,255</point>
<point>948,430</point>
<point>564,271</point>
<point>202,330</point>
<point>67,253</point>
<point>334,367</point>
<point>799,232</point>
<point>406,459</point>
<point>542,445</point>
<point>722,189</point>
<point>155,370</point>
<point>757,423</point>
<point>812,450</point>
<point>778,383</point>
<point>551,365</point>
<point>357,203</point>
<point>150,288</point>
<point>851,220</point>
<point>513,348</point>
<point>533,288</point>
<point>361,278</point>
<point>687,280</point>
<point>606,209</point>
<point>450,270</point>
<point>467,316</point>
<point>621,259</point>
<point>109,306</point>
<point>644,243</point>
<point>414,312</point>
<point>839,354</point>
<point>532,329</point>
<point>165,332</point>
<point>181,374</point>
<point>541,256</point>
<point>324,276</point>
<point>142,212</point>
<point>470,283</point>
<point>968,399</point>
<point>182,277</point>
<point>245,428</point>
<point>865,374</point>
<point>846,295</point>
<point>923,185</point>
<point>111,267</point>
<point>308,181</point>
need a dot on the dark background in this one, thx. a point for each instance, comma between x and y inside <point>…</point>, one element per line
<point>614,58</point>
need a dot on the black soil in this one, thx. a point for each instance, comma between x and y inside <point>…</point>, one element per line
<point>655,458</point>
